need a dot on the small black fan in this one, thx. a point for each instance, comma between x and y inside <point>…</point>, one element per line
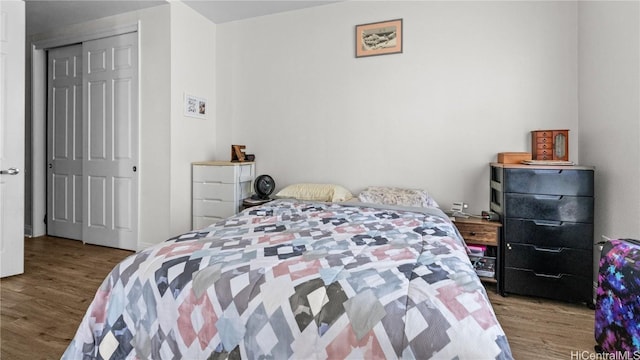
<point>263,186</point>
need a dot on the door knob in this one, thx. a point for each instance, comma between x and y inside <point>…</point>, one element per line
<point>10,171</point>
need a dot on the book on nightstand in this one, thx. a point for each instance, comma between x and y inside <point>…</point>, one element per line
<point>251,201</point>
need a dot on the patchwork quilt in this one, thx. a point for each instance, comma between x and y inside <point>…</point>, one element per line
<point>297,280</point>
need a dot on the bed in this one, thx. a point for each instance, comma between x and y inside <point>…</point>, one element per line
<point>301,280</point>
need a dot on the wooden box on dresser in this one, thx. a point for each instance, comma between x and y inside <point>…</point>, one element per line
<point>547,230</point>
<point>218,189</point>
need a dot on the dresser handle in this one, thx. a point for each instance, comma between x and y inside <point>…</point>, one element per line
<point>547,223</point>
<point>473,233</point>
<point>548,250</point>
<point>548,197</point>
<point>548,276</point>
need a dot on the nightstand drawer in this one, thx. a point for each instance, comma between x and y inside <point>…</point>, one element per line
<point>478,233</point>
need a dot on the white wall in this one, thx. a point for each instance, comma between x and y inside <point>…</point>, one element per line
<point>155,130</point>
<point>609,107</point>
<point>474,79</point>
<point>193,72</point>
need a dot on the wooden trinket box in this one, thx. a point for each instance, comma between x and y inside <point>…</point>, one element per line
<point>550,145</point>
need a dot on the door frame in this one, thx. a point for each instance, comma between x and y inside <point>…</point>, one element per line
<point>39,50</point>
<point>12,119</point>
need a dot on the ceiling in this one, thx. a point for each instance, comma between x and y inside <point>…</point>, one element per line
<point>220,11</point>
<point>46,15</point>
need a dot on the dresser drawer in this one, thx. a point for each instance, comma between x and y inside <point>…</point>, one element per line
<point>550,207</point>
<point>214,208</point>
<point>221,191</point>
<point>549,233</point>
<point>214,191</point>
<point>548,261</point>
<point>223,174</point>
<point>561,287</point>
<point>549,182</point>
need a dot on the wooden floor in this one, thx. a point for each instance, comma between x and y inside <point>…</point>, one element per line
<point>544,329</point>
<point>40,310</point>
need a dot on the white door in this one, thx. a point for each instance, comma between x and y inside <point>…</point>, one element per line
<point>64,142</point>
<point>110,142</point>
<point>12,77</point>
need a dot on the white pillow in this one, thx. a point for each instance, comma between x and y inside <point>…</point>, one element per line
<point>397,196</point>
<point>315,192</point>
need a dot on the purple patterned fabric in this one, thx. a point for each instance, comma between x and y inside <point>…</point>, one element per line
<point>297,280</point>
<point>617,325</point>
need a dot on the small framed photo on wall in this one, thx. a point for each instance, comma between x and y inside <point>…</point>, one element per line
<point>379,38</point>
<point>195,106</point>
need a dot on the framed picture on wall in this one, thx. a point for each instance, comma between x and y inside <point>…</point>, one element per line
<point>195,106</point>
<point>379,38</point>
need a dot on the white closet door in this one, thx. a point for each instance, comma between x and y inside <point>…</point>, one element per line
<point>12,46</point>
<point>64,142</point>
<point>110,175</point>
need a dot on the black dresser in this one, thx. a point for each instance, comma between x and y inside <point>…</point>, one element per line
<point>547,230</point>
